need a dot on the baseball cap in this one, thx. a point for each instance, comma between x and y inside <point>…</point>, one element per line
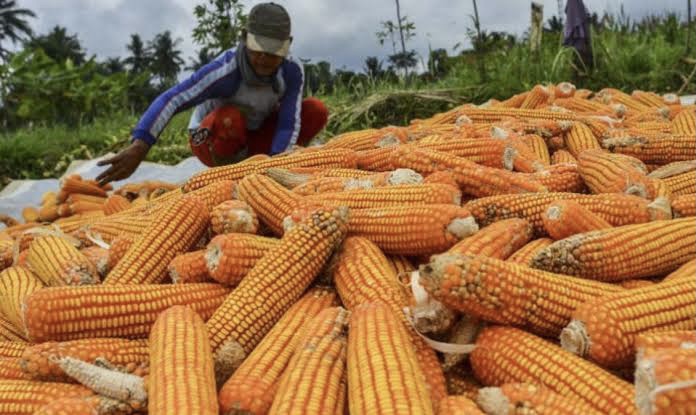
<point>268,29</point>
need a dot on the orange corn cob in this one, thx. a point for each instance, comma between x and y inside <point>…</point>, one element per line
<point>115,204</point>
<point>84,406</point>
<point>614,95</point>
<point>538,146</point>
<point>369,139</point>
<point>657,150</point>
<point>315,379</point>
<point>566,217</point>
<point>179,344</point>
<point>458,404</point>
<point>270,200</point>
<point>9,333</point>
<point>189,267</point>
<point>378,159</point>
<point>25,397</point>
<point>69,313</point>
<point>117,250</point>
<point>16,283</point>
<point>72,185</point>
<point>177,229</point>
<point>38,361</point>
<point>443,177</point>
<point>498,240</point>
<point>48,213</point>
<point>684,205</point>
<point>472,178</point>
<point>339,184</point>
<point>11,348</point>
<point>685,271</point>
<point>464,331</point>
<point>386,382</point>
<point>634,284</point>
<point>563,90</point>
<point>538,97</point>
<point>229,257</point>
<point>580,138</point>
<point>362,274</point>
<point>484,151</point>
<point>651,126</point>
<point>99,257</point>
<point>665,382</point>
<point>625,252</point>
<point>684,123</point>
<point>118,225</point>
<point>276,281</point>
<point>514,101</point>
<point>400,264</point>
<point>483,115</point>
<point>233,216</point>
<point>560,178</point>
<point>30,214</point>
<point>291,178</point>
<point>89,199</point>
<point>211,195</point>
<point>252,387</point>
<point>672,169</point>
<point>322,158</point>
<point>579,105</point>
<point>648,343</point>
<point>6,253</point>
<point>505,355</point>
<point>649,99</point>
<point>405,194</point>
<point>616,209</point>
<point>605,329</point>
<point>507,293</point>
<point>682,184</point>
<point>523,398</point>
<point>9,369</point>
<point>56,261</point>
<point>605,173</point>
<point>525,254</point>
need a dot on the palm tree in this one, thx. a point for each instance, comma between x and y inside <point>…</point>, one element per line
<point>13,23</point>
<point>166,59</point>
<point>59,46</point>
<point>204,57</point>
<point>139,59</point>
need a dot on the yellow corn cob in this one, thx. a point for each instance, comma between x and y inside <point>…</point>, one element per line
<point>651,126</point>
<point>229,257</point>
<point>566,217</point>
<point>56,261</point>
<point>605,173</point>
<point>84,406</point>
<point>579,105</point>
<point>507,293</point>
<point>400,264</point>
<point>505,355</point>
<point>25,397</point>
<point>685,271</point>
<point>498,240</point>
<point>472,178</point>
<point>71,185</point>
<point>684,123</point>
<point>665,382</point>
<point>390,381</point>
<point>10,369</point>
<point>89,199</point>
<point>458,404</point>
<point>484,151</point>
<point>16,283</point>
<point>605,329</point>
<point>189,267</point>
<point>30,214</point>
<point>617,209</point>
<point>10,333</point>
<point>339,184</point>
<point>270,200</point>
<point>607,95</point>
<point>378,159</point>
<point>6,253</point>
<point>177,229</point>
<point>118,225</point>
<point>654,149</point>
<point>272,286</point>
<point>233,216</point>
<point>363,274</point>
<point>400,195</point>
<point>538,146</point>
<point>684,205</point>
<point>117,250</point>
<point>648,343</point>
<point>211,195</point>
<point>538,97</point>
<point>38,362</point>
<point>682,184</point>
<point>524,398</point>
<point>315,379</point>
<point>634,284</point>
<point>179,345</point>
<point>252,387</point>
<point>649,99</point>
<point>11,348</point>
<point>115,204</point>
<point>482,115</point>
<point>69,313</point>
<point>369,139</point>
<point>322,158</point>
<point>615,254</point>
<point>559,178</point>
<point>580,138</point>
<point>672,169</point>
<point>513,102</point>
<point>525,254</point>
<point>99,257</point>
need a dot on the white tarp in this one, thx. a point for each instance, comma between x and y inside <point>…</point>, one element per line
<point>22,193</point>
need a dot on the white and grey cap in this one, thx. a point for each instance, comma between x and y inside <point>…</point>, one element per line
<point>268,29</point>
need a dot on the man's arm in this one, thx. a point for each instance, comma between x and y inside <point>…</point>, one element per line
<point>290,106</point>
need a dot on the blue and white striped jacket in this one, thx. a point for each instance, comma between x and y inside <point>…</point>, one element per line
<point>220,82</point>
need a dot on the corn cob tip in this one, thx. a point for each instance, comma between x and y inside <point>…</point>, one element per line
<point>660,209</point>
<point>493,401</point>
<point>463,227</point>
<point>404,176</point>
<point>574,338</point>
<point>227,359</point>
<point>509,156</point>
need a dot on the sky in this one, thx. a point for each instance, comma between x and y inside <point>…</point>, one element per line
<point>339,31</point>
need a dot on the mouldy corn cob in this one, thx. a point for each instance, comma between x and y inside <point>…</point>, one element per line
<point>323,158</point>
<point>386,382</point>
<point>685,122</point>
<point>507,293</point>
<point>369,139</point>
<point>270,200</point>
<point>523,398</point>
<point>9,333</point>
<point>229,257</point>
<point>272,286</point>
<point>665,382</point>
<point>605,329</point>
<point>19,397</point>
<point>233,216</point>
<point>684,205</point>
<point>189,267</point>
<point>649,343</point>
<point>362,274</point>
<point>179,345</point>
<point>252,387</point>
<point>177,229</point>
<point>464,331</point>
<point>615,254</point>
<point>57,261</point>
<point>99,257</point>
<point>399,195</point>
<point>38,361</point>
<point>69,313</point>
<point>16,283</point>
<point>566,217</point>
<point>658,150</point>
<point>460,381</point>
<point>458,404</point>
<point>505,355</point>
<point>315,379</point>
<point>498,240</point>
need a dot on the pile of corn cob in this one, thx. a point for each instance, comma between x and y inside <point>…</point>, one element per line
<point>529,256</point>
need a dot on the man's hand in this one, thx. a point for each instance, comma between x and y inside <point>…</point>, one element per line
<point>124,163</point>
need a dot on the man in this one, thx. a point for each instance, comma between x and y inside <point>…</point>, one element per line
<point>248,101</point>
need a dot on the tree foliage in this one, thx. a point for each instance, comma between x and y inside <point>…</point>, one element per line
<point>13,24</point>
<point>219,25</point>
<point>59,45</point>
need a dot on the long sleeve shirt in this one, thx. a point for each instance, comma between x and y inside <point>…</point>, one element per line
<point>219,83</point>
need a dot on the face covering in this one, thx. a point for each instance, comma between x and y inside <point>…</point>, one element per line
<point>248,74</point>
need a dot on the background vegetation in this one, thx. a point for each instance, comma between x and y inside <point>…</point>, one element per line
<point>57,104</point>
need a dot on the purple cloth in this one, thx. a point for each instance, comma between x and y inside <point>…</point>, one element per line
<point>576,32</point>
